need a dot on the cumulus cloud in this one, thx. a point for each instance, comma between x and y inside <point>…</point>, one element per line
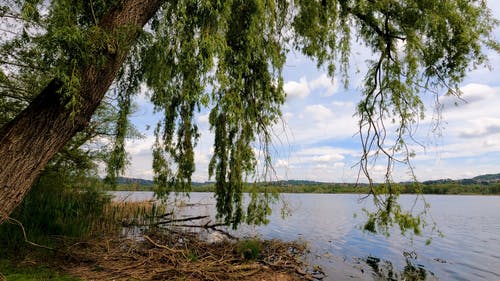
<point>471,94</point>
<point>143,98</point>
<point>475,92</point>
<point>325,84</point>
<point>477,117</point>
<point>295,89</point>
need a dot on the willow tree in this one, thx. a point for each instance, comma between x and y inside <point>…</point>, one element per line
<point>224,55</point>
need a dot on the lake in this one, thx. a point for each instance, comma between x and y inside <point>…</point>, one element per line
<point>469,250</point>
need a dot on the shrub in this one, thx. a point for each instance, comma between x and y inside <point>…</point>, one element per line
<point>249,249</point>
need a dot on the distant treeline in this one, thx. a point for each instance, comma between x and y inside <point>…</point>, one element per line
<point>485,188</point>
<point>454,188</point>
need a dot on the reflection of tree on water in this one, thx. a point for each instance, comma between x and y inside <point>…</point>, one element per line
<point>384,270</point>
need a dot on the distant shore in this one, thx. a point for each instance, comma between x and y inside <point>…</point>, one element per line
<point>342,188</point>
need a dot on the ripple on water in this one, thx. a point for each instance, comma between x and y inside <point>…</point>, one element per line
<point>479,271</point>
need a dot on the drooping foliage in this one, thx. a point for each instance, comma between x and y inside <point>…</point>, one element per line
<point>419,48</point>
<point>228,56</point>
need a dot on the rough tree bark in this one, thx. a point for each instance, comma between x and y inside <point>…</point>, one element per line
<point>29,141</point>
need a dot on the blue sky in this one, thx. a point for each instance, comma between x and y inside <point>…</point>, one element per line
<point>318,141</point>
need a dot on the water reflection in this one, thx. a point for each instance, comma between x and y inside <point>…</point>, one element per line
<point>385,270</point>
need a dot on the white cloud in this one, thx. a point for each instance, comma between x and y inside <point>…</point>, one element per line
<point>324,156</point>
<point>457,148</point>
<point>322,150</point>
<point>475,92</point>
<point>343,104</point>
<point>477,115</point>
<point>295,89</point>
<point>287,115</point>
<point>338,165</point>
<point>318,113</point>
<point>481,127</point>
<point>317,171</point>
<point>202,157</point>
<point>282,163</point>
<point>140,146</point>
<point>328,158</point>
<point>143,97</point>
<point>317,122</point>
<point>326,84</point>
<point>472,94</point>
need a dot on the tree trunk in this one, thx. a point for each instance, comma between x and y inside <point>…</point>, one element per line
<point>29,141</point>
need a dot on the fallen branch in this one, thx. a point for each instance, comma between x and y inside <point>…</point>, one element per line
<point>169,214</point>
<point>212,227</point>
<point>180,220</point>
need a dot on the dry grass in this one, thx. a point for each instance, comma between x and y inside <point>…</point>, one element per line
<point>122,214</point>
<point>179,256</point>
<point>168,254</point>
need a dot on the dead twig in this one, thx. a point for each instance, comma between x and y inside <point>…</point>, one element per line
<point>14,221</point>
<point>162,246</point>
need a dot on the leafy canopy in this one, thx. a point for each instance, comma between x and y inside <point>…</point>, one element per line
<point>228,56</point>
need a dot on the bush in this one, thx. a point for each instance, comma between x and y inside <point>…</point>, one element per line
<point>249,249</point>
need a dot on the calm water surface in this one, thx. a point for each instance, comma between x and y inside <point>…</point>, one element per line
<point>470,249</point>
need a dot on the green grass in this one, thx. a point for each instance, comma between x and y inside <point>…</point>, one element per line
<point>53,207</point>
<point>30,273</point>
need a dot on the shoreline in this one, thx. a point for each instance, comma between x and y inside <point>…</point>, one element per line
<point>160,256</point>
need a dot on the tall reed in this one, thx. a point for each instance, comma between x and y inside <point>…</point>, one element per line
<point>53,207</point>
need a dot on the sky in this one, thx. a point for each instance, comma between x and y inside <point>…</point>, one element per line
<point>317,139</point>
